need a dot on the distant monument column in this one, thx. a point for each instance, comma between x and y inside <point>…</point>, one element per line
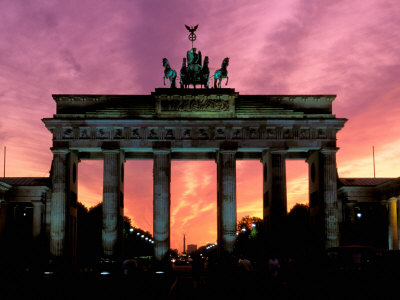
<point>113,187</point>
<point>161,200</point>
<point>274,189</point>
<point>330,202</point>
<point>226,199</point>
<point>393,230</point>
<point>58,202</point>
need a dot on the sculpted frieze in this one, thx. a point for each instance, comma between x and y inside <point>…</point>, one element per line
<point>135,133</point>
<point>153,133</point>
<point>102,133</point>
<point>304,133</point>
<point>271,133</point>
<point>287,133</point>
<point>84,133</point>
<point>68,133</point>
<point>118,133</point>
<point>169,133</point>
<point>322,133</point>
<point>237,133</point>
<point>203,133</point>
<point>279,132</point>
<point>253,133</point>
<point>211,132</point>
<point>195,104</point>
<point>220,133</point>
<point>187,133</point>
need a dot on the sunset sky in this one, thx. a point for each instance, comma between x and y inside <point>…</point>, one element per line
<point>347,48</point>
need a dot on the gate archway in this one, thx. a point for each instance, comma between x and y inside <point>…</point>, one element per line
<point>216,124</point>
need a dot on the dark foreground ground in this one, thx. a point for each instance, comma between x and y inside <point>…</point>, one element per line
<point>303,281</point>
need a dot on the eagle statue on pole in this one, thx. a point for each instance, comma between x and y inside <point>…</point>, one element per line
<point>192,29</point>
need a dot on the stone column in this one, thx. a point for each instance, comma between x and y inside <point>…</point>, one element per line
<point>37,219</point>
<point>274,189</point>
<point>330,203</point>
<point>393,233</point>
<point>226,200</point>
<point>161,201</point>
<point>3,218</point>
<point>398,223</point>
<point>112,202</point>
<point>58,202</point>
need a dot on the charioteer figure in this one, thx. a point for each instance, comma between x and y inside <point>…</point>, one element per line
<point>194,70</point>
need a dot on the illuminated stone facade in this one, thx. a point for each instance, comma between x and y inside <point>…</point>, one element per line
<point>214,124</point>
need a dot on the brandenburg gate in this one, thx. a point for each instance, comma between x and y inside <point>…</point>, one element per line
<point>213,124</point>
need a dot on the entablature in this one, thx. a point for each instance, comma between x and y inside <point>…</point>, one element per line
<point>193,104</point>
<point>218,129</point>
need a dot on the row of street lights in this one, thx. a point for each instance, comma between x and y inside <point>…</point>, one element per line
<point>146,238</point>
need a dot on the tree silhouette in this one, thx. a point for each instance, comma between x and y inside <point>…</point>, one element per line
<point>136,242</point>
<point>249,239</point>
<point>298,231</point>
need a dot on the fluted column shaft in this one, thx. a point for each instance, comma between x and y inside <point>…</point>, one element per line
<point>58,203</point>
<point>329,187</point>
<point>398,223</point>
<point>393,234</point>
<point>111,231</point>
<point>37,218</point>
<point>274,189</point>
<point>226,198</point>
<point>161,203</point>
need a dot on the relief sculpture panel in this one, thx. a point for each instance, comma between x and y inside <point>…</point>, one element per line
<point>196,104</point>
<point>68,133</point>
<point>84,133</point>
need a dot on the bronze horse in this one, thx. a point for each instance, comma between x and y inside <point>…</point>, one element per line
<point>169,73</point>
<point>221,73</point>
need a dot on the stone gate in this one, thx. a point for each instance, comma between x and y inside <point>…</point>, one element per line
<point>214,124</point>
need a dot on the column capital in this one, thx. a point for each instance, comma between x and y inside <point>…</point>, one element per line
<point>278,151</point>
<point>266,150</point>
<point>329,150</point>
<point>111,150</point>
<point>226,150</point>
<point>264,154</point>
<point>37,202</point>
<point>275,150</point>
<point>392,199</point>
<point>59,150</point>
